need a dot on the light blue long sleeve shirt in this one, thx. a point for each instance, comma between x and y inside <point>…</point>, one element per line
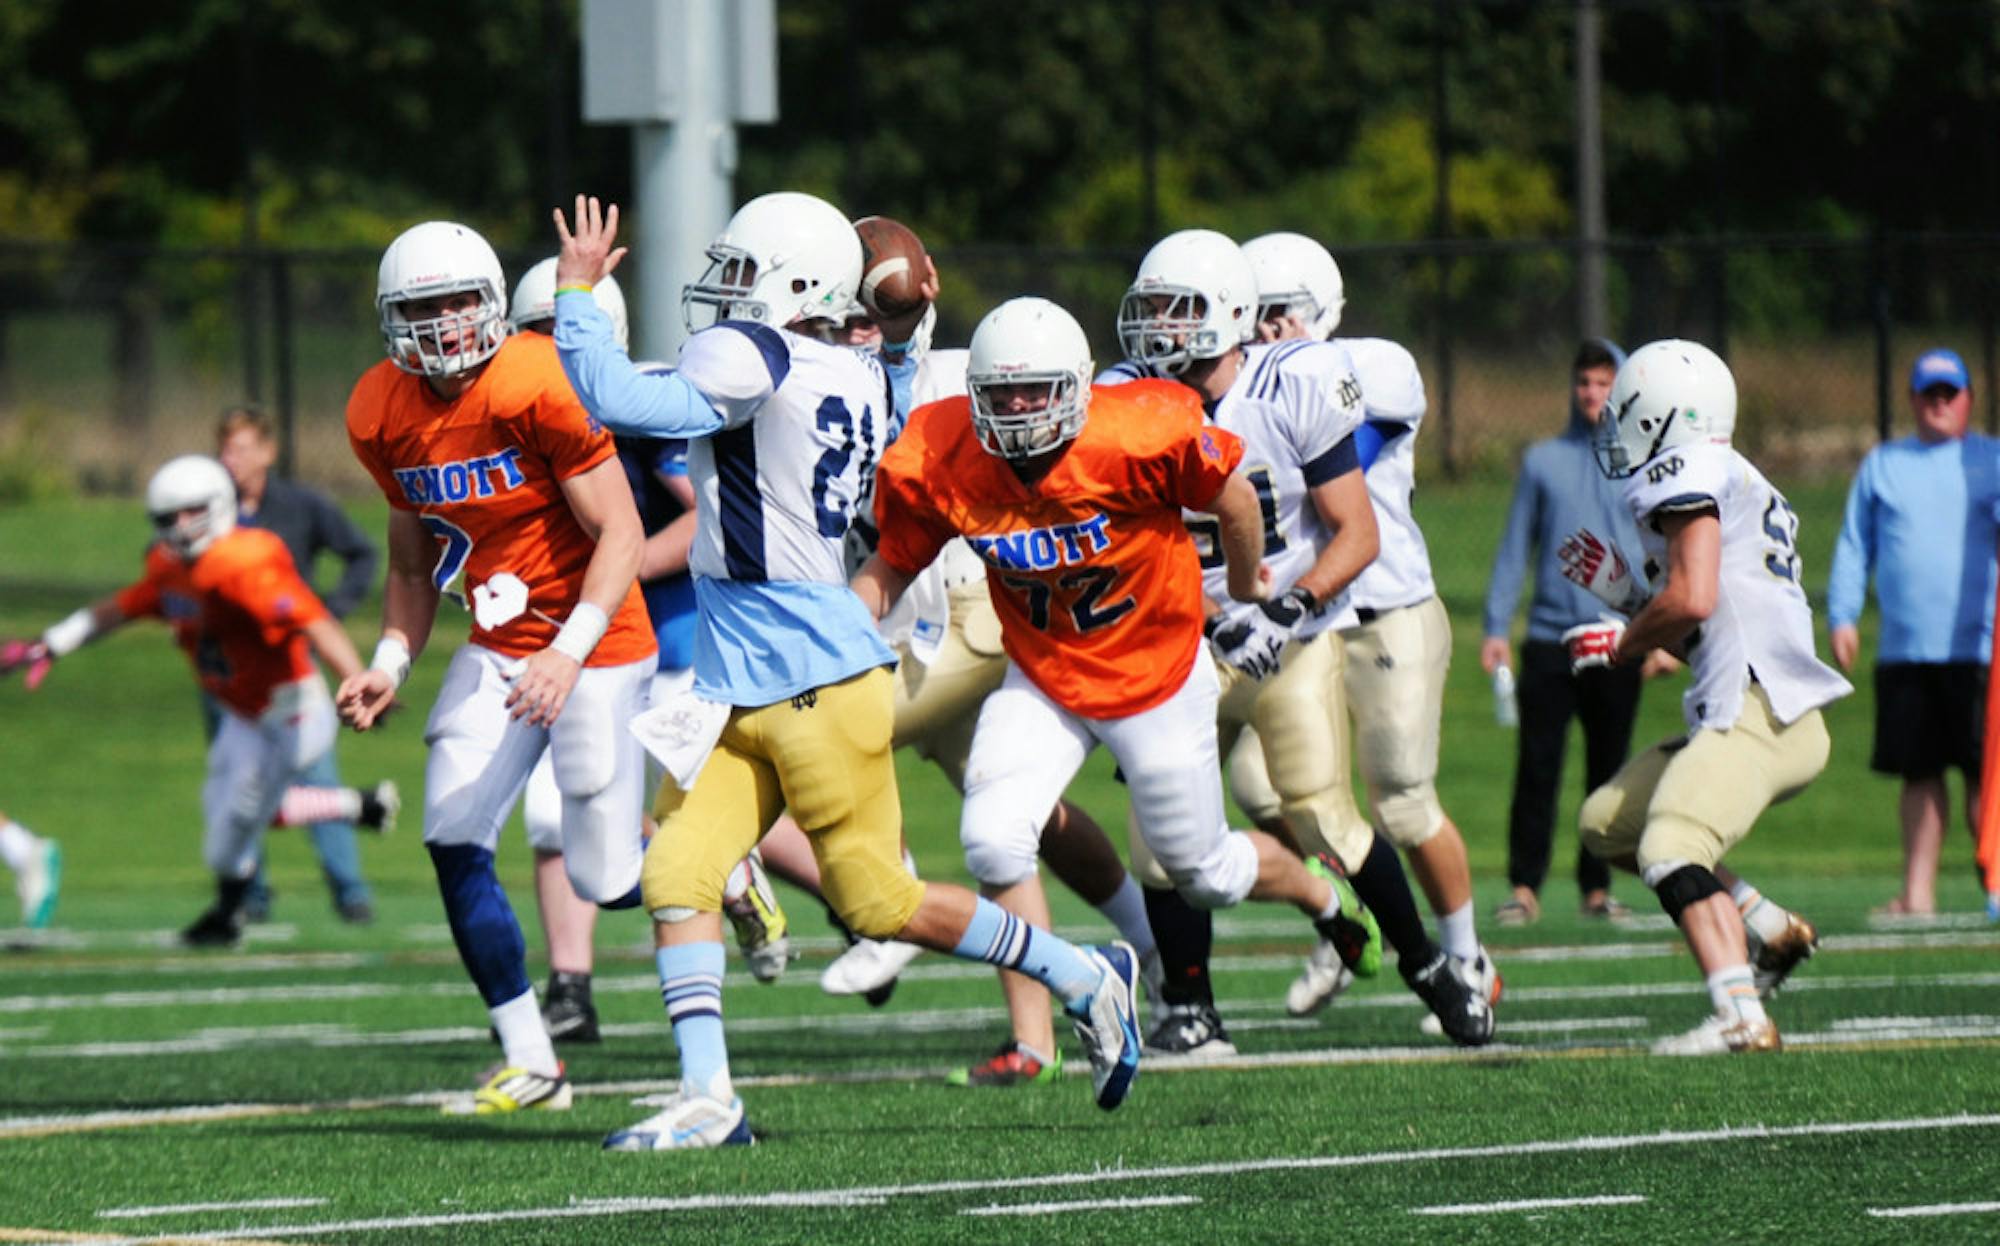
<point>1920,521</point>
<point>1560,489</point>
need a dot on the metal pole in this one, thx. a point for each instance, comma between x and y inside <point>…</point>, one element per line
<point>1878,299</point>
<point>1149,143</point>
<point>1441,228</point>
<point>288,424</point>
<point>248,283</point>
<point>1592,307</point>
<point>682,175</point>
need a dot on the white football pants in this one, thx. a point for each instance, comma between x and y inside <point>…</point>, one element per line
<point>250,764</point>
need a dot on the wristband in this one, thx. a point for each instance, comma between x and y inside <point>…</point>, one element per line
<point>580,633</point>
<point>897,348</point>
<point>392,657</point>
<point>68,636</point>
<point>575,288</point>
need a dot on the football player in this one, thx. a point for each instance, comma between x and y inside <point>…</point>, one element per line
<point>1300,406</point>
<point>494,470</point>
<point>1393,626</point>
<point>1720,590</point>
<point>251,627</point>
<point>792,701</point>
<point>1072,495</point>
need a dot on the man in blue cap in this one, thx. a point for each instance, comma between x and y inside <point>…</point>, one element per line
<point>1920,521</point>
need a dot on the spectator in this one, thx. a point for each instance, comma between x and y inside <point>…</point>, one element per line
<point>308,522</point>
<point>1920,519</point>
<point>1560,490</point>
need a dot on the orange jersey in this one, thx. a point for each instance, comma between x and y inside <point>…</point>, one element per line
<point>240,611</point>
<point>485,472</point>
<point>1091,570</point>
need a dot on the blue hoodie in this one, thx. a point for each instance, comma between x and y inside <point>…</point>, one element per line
<point>1560,489</point>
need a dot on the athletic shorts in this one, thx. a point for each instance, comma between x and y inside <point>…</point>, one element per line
<point>1929,717</point>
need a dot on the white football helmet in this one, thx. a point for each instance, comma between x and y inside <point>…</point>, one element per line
<point>1194,298</point>
<point>1296,276</point>
<point>1667,394</point>
<point>430,260</point>
<point>535,300</point>
<point>1028,342</point>
<point>200,486</point>
<point>783,257</point>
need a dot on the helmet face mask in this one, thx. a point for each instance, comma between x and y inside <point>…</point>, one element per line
<point>783,258</point>
<point>1194,299</point>
<point>442,300</point>
<point>1667,394</point>
<point>1028,377</point>
<point>192,502</point>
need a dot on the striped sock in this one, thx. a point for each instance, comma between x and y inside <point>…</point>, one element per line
<point>1762,916</point>
<point>691,988</point>
<point>1000,938</point>
<point>306,806</point>
<point>1733,991</point>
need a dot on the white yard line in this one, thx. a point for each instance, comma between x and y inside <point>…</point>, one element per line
<point>871,1195</point>
<point>1934,1209</point>
<point>1527,1204</point>
<point>189,1209</point>
<point>1063,1209</point>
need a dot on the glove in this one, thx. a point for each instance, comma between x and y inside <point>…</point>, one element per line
<point>1288,608</point>
<point>1592,645</point>
<point>1590,564</point>
<point>30,655</point>
<point>1250,644</point>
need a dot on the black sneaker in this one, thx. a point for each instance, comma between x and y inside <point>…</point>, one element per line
<point>1460,1006</point>
<point>379,806</point>
<point>1190,1032</point>
<point>356,912</point>
<point>216,927</point>
<point>567,1010</point>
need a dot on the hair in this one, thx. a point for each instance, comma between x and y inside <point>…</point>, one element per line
<point>1594,352</point>
<point>235,419</point>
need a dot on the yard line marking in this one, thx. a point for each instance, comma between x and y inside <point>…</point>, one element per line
<point>1527,1204</point>
<point>1934,1209</point>
<point>1100,1176</point>
<point>184,1209</point>
<point>1095,1204</point>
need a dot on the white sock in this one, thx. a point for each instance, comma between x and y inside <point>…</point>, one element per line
<point>1733,991</point>
<point>1457,932</point>
<point>1760,914</point>
<point>17,846</point>
<point>1126,909</point>
<point>524,1040</point>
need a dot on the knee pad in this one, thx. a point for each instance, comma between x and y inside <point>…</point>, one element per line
<point>1410,818</point>
<point>1223,878</point>
<point>999,852</point>
<point>1679,885</point>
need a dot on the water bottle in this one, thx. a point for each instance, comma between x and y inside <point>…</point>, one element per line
<point>1506,711</point>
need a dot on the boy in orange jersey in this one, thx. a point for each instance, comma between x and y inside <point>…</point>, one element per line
<point>492,468</point>
<point>250,626</point>
<point>1098,589</point>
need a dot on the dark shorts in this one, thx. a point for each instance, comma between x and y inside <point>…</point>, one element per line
<point>1929,717</point>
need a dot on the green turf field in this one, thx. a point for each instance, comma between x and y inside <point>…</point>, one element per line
<point>287,1091</point>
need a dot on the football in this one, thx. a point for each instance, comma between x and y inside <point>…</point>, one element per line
<point>893,267</point>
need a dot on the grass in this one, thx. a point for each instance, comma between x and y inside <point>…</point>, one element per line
<point>304,1069</point>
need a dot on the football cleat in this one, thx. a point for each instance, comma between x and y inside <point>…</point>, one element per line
<point>1190,1032</point>
<point>1323,981</point>
<point>1011,1065</point>
<point>1447,987</point>
<point>1109,1026</point>
<point>37,883</point>
<point>511,1089</point>
<point>1353,931</point>
<point>1774,959</point>
<point>1723,1036</point>
<point>867,968</point>
<point>752,909</point>
<point>216,927</point>
<point>567,1010</point>
<point>1485,978</point>
<point>379,806</point>
<point>687,1121</point>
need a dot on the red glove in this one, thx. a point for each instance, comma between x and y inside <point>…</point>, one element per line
<point>1592,644</point>
<point>31,655</point>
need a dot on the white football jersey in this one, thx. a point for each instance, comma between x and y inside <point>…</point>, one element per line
<point>1392,392</point>
<point>1293,403</point>
<point>804,425</point>
<point>1762,626</point>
